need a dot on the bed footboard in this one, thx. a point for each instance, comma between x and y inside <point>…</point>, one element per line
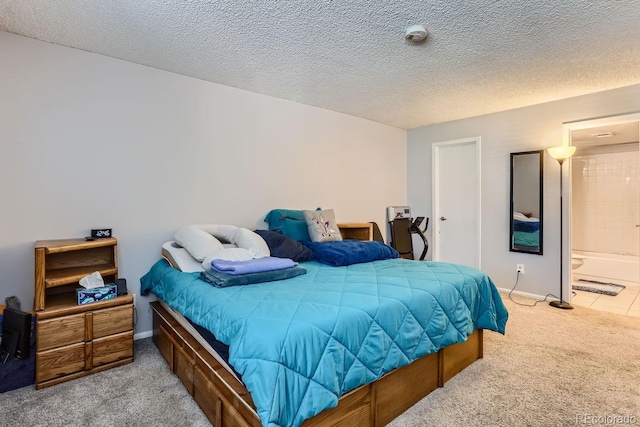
<point>226,402</point>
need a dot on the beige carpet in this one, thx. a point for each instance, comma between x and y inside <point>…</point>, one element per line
<point>552,366</point>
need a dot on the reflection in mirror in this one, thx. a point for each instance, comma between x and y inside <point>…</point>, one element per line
<point>526,202</point>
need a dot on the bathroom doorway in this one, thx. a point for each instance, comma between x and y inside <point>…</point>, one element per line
<point>605,214</point>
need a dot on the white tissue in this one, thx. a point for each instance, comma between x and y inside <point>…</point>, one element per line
<point>93,280</point>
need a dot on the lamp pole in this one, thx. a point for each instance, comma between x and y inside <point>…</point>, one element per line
<point>561,303</point>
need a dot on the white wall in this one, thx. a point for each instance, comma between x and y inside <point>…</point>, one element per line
<point>90,141</point>
<point>606,199</point>
<point>524,129</point>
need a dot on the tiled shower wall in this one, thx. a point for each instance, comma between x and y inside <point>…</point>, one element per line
<point>605,199</point>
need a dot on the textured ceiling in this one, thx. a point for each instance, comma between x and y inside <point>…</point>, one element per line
<point>481,56</point>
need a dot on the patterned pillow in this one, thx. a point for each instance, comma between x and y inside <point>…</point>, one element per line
<point>322,226</point>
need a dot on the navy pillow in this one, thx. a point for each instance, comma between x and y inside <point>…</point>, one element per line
<point>282,246</point>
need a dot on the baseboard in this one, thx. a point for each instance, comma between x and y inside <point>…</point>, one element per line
<point>141,335</point>
<point>526,294</point>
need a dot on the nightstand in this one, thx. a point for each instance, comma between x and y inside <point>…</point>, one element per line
<point>76,340</point>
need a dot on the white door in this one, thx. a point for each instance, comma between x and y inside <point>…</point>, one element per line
<point>456,201</point>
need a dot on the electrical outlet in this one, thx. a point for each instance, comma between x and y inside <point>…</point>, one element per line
<point>134,300</point>
<point>520,268</point>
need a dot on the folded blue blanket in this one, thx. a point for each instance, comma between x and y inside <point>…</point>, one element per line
<point>347,252</point>
<point>223,280</point>
<point>255,265</point>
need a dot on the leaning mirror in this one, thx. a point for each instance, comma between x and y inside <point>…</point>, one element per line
<point>525,225</point>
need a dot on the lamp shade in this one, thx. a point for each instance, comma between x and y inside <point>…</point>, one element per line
<point>561,153</point>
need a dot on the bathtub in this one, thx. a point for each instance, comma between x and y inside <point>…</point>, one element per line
<point>609,266</point>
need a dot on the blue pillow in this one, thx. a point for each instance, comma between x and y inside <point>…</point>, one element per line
<point>289,222</point>
<point>276,217</point>
<point>347,252</point>
<point>282,246</point>
<point>296,229</point>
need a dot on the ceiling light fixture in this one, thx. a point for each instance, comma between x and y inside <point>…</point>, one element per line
<point>416,33</point>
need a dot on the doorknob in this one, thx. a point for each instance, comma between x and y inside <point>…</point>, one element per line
<point>443,218</point>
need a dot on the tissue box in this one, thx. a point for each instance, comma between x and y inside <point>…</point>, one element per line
<point>103,293</point>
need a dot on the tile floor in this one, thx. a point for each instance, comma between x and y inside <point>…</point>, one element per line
<point>626,302</point>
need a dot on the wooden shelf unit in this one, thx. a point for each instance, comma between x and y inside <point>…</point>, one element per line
<point>65,262</point>
<point>356,230</point>
<point>76,340</point>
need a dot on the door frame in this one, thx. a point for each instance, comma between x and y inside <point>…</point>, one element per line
<point>435,192</point>
<point>567,128</point>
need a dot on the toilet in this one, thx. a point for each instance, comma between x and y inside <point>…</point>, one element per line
<point>577,260</point>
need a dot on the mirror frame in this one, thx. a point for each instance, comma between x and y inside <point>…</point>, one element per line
<point>512,247</point>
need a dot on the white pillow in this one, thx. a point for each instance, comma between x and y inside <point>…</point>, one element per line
<point>201,240</point>
<point>253,242</point>
<point>322,225</point>
<point>522,217</point>
<point>241,237</point>
<point>222,232</point>
<point>180,258</point>
<point>197,242</point>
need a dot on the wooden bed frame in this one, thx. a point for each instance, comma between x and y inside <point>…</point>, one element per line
<point>226,402</point>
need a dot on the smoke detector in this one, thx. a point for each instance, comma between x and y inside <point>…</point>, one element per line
<point>416,33</point>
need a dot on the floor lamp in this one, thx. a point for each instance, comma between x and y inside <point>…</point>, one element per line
<point>561,154</point>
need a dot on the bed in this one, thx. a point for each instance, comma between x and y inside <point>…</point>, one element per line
<point>388,332</point>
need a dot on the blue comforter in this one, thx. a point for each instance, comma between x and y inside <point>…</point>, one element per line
<point>301,343</point>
